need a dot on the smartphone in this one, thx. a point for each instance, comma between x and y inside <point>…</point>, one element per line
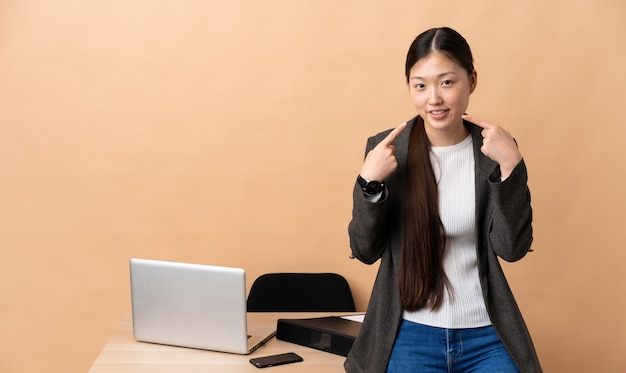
<point>270,361</point>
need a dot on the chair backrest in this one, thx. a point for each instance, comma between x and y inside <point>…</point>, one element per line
<point>300,292</point>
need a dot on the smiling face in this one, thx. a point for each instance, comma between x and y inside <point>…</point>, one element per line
<point>440,90</point>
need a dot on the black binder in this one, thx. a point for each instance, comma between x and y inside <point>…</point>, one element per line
<point>331,334</point>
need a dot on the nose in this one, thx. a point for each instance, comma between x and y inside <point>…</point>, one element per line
<point>434,98</point>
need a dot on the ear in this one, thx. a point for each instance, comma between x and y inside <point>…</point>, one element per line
<point>473,79</point>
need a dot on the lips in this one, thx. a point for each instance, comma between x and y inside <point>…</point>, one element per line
<point>438,114</point>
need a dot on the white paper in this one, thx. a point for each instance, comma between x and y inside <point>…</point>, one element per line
<point>357,318</point>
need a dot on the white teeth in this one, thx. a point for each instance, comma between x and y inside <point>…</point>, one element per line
<point>437,112</point>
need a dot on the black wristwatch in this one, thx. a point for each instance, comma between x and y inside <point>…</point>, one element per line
<point>371,187</point>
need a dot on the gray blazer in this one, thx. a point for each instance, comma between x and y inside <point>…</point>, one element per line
<point>504,229</point>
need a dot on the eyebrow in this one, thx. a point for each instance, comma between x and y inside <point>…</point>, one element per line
<point>438,76</point>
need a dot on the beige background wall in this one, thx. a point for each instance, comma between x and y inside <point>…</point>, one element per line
<point>231,132</point>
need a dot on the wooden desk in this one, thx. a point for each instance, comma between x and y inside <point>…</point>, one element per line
<point>122,354</point>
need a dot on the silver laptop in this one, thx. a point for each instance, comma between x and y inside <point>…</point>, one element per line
<point>192,305</point>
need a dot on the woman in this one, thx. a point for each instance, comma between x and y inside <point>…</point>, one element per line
<point>438,200</point>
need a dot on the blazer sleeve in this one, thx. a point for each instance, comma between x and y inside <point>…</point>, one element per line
<point>510,222</point>
<point>367,230</point>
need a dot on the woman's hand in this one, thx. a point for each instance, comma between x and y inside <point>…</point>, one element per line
<point>381,162</point>
<point>498,145</point>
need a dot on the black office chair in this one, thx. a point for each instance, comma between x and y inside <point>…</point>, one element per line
<point>300,292</point>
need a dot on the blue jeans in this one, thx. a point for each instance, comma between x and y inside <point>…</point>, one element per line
<point>422,348</point>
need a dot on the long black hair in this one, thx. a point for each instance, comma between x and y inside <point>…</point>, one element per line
<point>422,279</point>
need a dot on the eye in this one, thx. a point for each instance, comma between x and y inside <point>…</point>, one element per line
<point>447,83</point>
<point>419,86</point>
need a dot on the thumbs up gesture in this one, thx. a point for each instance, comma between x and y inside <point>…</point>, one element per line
<point>381,162</point>
<point>498,145</point>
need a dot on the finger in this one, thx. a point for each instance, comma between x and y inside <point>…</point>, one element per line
<point>477,121</point>
<point>393,134</point>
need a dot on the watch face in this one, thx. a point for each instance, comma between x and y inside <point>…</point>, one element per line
<point>373,187</point>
